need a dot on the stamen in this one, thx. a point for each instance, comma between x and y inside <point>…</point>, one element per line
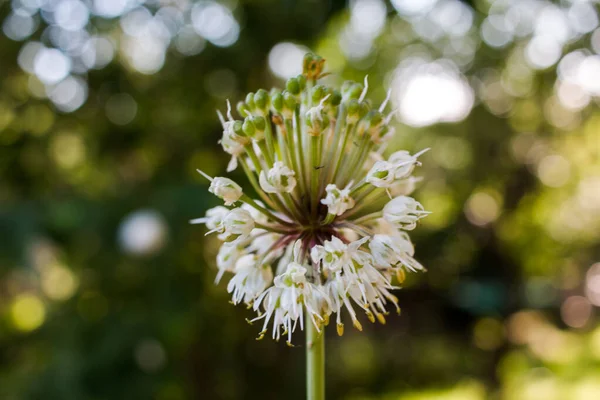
<point>221,118</point>
<point>387,98</point>
<point>204,175</point>
<point>389,117</point>
<point>229,116</point>
<point>364,92</point>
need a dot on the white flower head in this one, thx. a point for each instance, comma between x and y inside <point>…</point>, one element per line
<point>225,189</point>
<point>237,225</point>
<point>319,238</point>
<point>337,200</point>
<point>404,212</point>
<point>279,179</point>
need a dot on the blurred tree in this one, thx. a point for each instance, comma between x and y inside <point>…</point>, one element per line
<point>107,108</point>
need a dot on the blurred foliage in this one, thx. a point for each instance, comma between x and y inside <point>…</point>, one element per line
<point>106,292</point>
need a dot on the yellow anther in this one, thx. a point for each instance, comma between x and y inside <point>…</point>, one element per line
<point>371,316</point>
<point>400,275</point>
<point>340,329</point>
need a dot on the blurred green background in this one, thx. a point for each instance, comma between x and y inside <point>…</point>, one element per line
<point>107,107</point>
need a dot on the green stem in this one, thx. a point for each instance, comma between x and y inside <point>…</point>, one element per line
<point>315,173</point>
<point>315,362</point>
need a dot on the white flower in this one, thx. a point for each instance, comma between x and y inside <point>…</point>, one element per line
<point>237,225</point>
<point>381,174</point>
<point>279,179</point>
<point>231,142</point>
<point>234,148</point>
<point>404,212</point>
<point>213,219</point>
<point>250,279</point>
<point>225,189</point>
<point>228,255</point>
<point>285,302</point>
<point>337,201</point>
<point>392,251</point>
<point>403,163</point>
<point>398,166</point>
<point>330,254</point>
<point>314,116</point>
<point>337,293</point>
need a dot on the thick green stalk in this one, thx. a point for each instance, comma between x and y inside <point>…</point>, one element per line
<point>315,362</point>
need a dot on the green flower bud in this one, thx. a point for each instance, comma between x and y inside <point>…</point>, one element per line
<point>336,98</point>
<point>259,123</point>
<point>289,105</point>
<point>242,109</point>
<point>364,109</point>
<point>318,92</point>
<point>238,128</point>
<point>250,101</point>
<point>353,111</point>
<point>374,119</point>
<point>289,101</point>
<point>301,81</point>
<point>248,127</point>
<point>261,99</point>
<point>277,101</point>
<point>293,86</point>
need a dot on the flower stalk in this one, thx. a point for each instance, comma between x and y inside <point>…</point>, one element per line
<point>315,363</point>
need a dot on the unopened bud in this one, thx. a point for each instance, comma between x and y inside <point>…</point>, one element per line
<point>336,98</point>
<point>250,101</point>
<point>261,100</point>
<point>289,104</point>
<point>238,128</point>
<point>301,81</point>
<point>317,93</point>
<point>242,109</point>
<point>248,127</point>
<point>277,101</point>
<point>293,86</point>
<point>353,112</point>
<point>259,123</point>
